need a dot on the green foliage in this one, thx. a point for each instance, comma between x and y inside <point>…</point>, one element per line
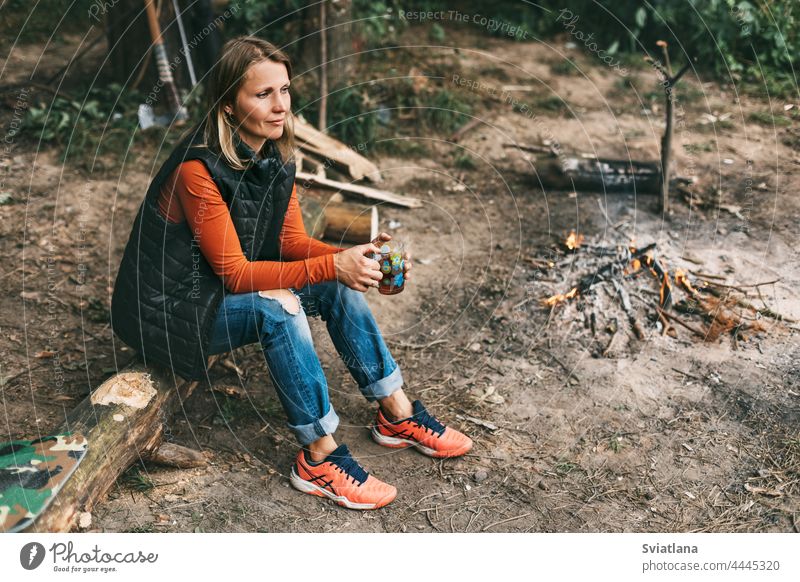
<point>436,33</point>
<point>402,147</point>
<point>445,111</point>
<point>743,41</point>
<point>27,22</point>
<point>352,116</point>
<point>564,67</point>
<point>464,161</point>
<point>769,119</point>
<point>103,122</point>
<point>136,479</point>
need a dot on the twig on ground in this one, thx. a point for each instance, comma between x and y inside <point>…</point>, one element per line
<point>506,520</point>
<point>680,322</point>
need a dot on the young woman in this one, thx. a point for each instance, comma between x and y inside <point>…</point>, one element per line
<point>219,258</point>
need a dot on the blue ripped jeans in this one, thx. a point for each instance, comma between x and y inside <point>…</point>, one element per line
<point>295,370</point>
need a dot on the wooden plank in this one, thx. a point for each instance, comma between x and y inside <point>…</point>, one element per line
<point>358,167</point>
<point>305,180</point>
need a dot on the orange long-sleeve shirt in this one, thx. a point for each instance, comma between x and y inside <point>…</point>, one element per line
<point>190,194</point>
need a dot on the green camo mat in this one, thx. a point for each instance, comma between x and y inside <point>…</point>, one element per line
<point>32,473</point>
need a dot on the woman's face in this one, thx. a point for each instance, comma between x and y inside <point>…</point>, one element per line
<point>262,103</point>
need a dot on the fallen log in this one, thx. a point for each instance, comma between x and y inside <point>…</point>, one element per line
<point>351,222</point>
<point>340,155</point>
<point>599,175</point>
<point>338,221</point>
<point>306,181</point>
<point>123,420</point>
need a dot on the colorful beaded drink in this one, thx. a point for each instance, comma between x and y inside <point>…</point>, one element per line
<point>392,263</point>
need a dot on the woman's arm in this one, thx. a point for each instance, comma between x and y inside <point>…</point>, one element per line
<point>295,243</point>
<point>210,221</point>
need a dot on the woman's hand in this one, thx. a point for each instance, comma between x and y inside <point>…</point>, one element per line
<point>385,237</point>
<point>355,269</point>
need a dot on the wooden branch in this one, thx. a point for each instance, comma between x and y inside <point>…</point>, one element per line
<point>680,73</point>
<point>467,127</point>
<point>587,281</point>
<point>363,191</point>
<point>172,455</point>
<point>666,154</point>
<point>680,322</point>
<point>666,141</point>
<point>123,420</point>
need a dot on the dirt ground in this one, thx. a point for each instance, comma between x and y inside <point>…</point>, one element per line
<point>573,431</point>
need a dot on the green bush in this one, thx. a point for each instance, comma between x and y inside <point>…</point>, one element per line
<point>753,41</point>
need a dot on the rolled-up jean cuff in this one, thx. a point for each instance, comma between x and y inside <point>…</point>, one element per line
<point>384,387</point>
<point>308,433</point>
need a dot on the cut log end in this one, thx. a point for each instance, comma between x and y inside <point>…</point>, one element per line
<point>172,455</point>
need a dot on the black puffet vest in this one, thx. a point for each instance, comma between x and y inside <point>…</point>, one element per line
<point>166,295</point>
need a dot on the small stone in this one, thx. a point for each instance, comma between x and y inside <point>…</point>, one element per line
<point>480,475</point>
<point>475,347</point>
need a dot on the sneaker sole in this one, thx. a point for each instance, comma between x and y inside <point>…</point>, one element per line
<point>396,443</point>
<point>302,485</point>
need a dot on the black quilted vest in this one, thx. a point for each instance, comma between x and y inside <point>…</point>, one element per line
<point>166,295</point>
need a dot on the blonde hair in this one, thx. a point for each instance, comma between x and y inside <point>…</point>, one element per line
<point>226,77</point>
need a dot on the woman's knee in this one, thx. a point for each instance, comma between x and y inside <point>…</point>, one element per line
<point>287,300</point>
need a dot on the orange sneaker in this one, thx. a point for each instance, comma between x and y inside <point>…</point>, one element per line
<point>421,430</point>
<point>341,478</point>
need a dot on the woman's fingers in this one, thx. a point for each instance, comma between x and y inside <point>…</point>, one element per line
<point>381,238</point>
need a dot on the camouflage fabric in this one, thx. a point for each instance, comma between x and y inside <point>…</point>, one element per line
<point>31,474</point>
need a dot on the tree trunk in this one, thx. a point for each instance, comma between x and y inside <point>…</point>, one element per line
<point>666,152</point>
<point>340,44</point>
<point>123,420</point>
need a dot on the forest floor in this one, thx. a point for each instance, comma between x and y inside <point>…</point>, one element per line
<point>575,428</point>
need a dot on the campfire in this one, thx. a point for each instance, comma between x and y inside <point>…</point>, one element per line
<point>700,303</point>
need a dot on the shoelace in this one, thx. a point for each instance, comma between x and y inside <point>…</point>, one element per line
<point>427,421</point>
<point>350,467</point>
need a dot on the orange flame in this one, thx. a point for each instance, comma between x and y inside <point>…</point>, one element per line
<point>561,297</point>
<point>573,240</point>
<point>635,265</point>
<point>681,279</point>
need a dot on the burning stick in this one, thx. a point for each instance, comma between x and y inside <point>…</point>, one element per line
<point>600,275</point>
<point>665,293</point>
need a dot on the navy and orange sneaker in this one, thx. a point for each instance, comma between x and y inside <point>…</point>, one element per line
<point>420,430</point>
<point>340,478</point>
